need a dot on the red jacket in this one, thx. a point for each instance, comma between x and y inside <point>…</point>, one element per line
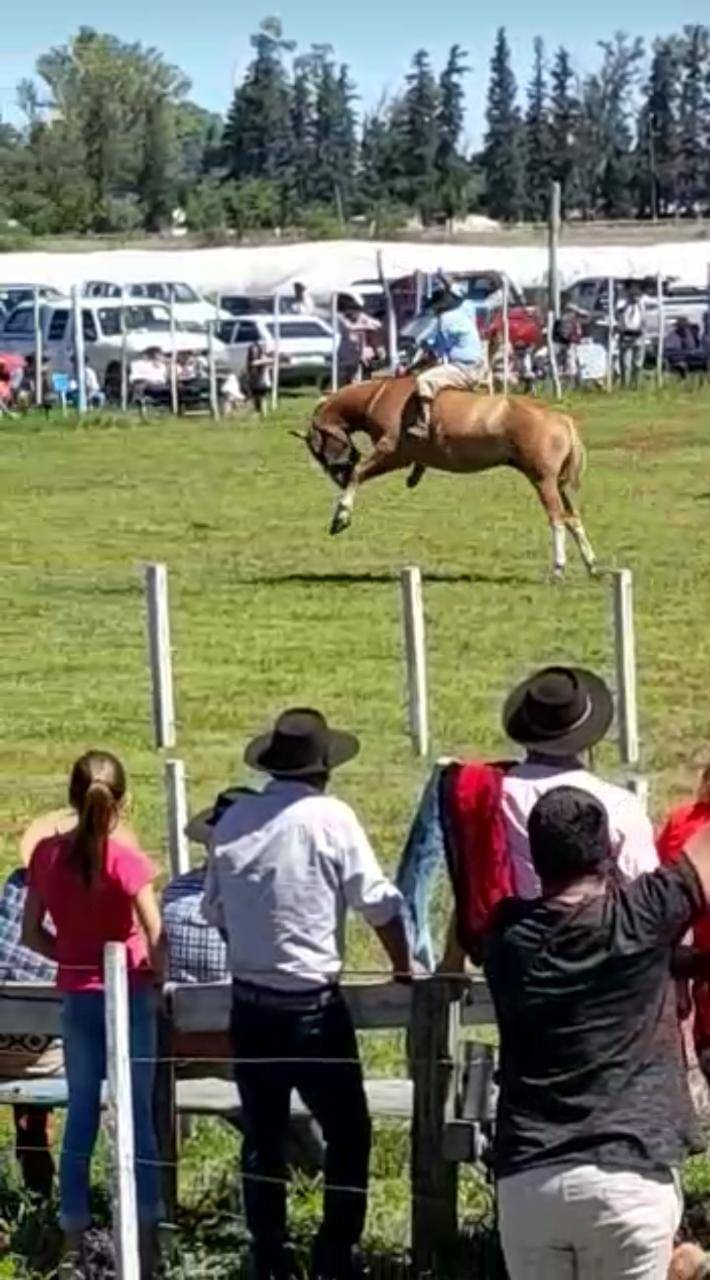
<point>477,847</point>
<point>680,825</point>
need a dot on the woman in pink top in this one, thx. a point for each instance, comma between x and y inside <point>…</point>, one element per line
<point>95,890</point>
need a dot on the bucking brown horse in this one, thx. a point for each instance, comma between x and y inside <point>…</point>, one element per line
<point>468,433</point>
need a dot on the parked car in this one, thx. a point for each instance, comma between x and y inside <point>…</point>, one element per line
<point>11,295</point>
<point>305,344</point>
<point>246,304</point>
<point>147,325</point>
<point>192,311</point>
<point>591,295</point>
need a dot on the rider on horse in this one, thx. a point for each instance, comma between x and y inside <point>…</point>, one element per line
<point>453,337</point>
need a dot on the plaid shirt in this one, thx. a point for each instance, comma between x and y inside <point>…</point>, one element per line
<point>21,1055</point>
<point>18,963</point>
<point>196,952</point>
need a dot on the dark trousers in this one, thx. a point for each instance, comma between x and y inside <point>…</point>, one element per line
<point>33,1140</point>
<point>309,1046</point>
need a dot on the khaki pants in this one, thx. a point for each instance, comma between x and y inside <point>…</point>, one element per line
<point>587,1223</point>
<point>459,377</point>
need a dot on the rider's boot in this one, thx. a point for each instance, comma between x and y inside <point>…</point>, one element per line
<point>420,428</point>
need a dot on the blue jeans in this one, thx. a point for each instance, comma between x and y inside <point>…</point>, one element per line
<point>85,1063</point>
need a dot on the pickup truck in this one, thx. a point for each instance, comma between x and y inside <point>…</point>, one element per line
<point>147,325</point>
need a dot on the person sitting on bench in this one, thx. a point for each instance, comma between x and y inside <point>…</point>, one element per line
<point>27,1057</point>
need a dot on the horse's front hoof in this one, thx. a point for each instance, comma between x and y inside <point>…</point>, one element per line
<point>340,521</point>
<point>594,571</point>
<point>558,573</point>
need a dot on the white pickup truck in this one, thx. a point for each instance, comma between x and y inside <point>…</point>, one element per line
<point>147,325</point>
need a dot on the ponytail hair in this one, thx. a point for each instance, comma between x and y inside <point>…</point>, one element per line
<point>96,789</point>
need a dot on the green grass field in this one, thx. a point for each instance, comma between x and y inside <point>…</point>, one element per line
<point>268,610</point>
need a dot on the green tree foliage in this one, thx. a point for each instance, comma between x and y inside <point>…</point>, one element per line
<point>157,181</point>
<point>658,144</point>
<point>694,119</point>
<point>564,130</point>
<point>452,170</point>
<point>198,140</point>
<point>112,141</point>
<point>538,153</point>
<point>419,137</point>
<point>504,156</point>
<point>257,136</point>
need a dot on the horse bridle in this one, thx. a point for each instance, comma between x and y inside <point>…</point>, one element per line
<point>339,472</point>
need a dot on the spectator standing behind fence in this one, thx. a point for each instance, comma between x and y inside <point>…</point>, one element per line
<point>631,319</point>
<point>97,890</point>
<point>285,865</point>
<point>302,303</point>
<point>198,953</point>
<point>594,1115</point>
<point>557,714</point>
<point>259,374</point>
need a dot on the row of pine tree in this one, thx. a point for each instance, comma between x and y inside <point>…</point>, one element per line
<point>122,143</point>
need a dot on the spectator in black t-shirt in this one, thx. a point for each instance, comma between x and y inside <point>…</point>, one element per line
<point>594,1115</point>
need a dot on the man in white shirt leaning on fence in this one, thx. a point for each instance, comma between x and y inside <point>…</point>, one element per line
<point>284,866</point>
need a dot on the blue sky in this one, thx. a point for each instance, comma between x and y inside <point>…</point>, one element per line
<point>210,41</point>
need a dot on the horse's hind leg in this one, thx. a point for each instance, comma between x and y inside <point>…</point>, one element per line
<point>576,528</point>
<point>551,500</point>
<point>415,475</point>
<point>378,463</point>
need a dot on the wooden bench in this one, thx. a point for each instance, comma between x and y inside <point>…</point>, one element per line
<point>442,1100</point>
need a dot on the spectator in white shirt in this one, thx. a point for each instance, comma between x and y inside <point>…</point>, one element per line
<point>632,323</point>
<point>285,864</point>
<point>556,715</point>
<point>303,304</point>
<point>95,398</point>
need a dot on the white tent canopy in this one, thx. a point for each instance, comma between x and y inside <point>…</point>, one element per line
<point>329,265</point>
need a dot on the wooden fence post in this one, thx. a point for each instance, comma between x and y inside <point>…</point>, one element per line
<point>335,343</point>
<point>611,317</point>
<point>120,1112</point>
<point>415,658</point>
<point>625,653</point>
<point>176,798</point>
<point>661,330</point>
<point>212,371</point>
<point>79,353</point>
<point>506,336</point>
<point>552,356</point>
<point>174,400</point>
<point>160,654</point>
<point>165,1113</point>
<point>39,348</point>
<point>124,352</point>
<point>276,367</point>
<point>553,242</point>
<point>434,1179</point>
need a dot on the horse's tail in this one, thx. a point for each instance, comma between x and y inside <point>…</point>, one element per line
<point>576,460</point>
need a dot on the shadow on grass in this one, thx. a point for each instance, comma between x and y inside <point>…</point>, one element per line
<point>381,578</point>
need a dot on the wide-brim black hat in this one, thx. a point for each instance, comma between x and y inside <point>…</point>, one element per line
<point>300,743</point>
<point>444,299</point>
<point>559,711</point>
<point>200,826</point>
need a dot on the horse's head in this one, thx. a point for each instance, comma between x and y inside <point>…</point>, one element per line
<point>331,445</point>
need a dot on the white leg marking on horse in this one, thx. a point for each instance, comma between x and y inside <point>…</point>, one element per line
<point>586,549</point>
<point>559,551</point>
